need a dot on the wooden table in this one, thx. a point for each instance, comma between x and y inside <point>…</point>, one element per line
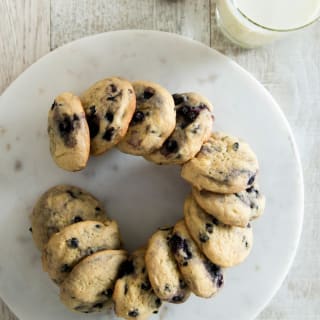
<point>289,69</point>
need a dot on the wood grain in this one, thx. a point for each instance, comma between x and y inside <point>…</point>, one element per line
<point>77,18</point>
<point>290,70</point>
<point>25,36</point>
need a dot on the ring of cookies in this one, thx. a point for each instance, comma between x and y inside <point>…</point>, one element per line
<point>82,248</point>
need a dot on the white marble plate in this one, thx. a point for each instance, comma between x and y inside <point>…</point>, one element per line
<point>140,195</point>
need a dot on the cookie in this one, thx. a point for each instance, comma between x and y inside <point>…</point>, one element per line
<point>193,126</point>
<point>235,209</point>
<point>109,105</point>
<point>73,243</point>
<point>89,286</point>
<point>224,165</point>
<point>224,245</point>
<point>133,295</point>
<point>68,133</point>
<point>61,206</point>
<point>153,121</point>
<point>164,274</point>
<point>202,276</point>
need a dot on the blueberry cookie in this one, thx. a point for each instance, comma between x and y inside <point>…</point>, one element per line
<point>68,132</point>
<point>164,274</point>
<point>109,105</point>
<point>235,209</point>
<point>61,206</point>
<point>224,245</point>
<point>224,165</point>
<point>89,286</point>
<point>193,126</point>
<point>66,248</point>
<point>133,295</point>
<point>202,276</point>
<point>153,121</point>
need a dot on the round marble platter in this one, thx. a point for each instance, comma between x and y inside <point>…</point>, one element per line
<point>140,195</point>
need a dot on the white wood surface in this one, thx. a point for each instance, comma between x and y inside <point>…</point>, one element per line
<point>290,70</point>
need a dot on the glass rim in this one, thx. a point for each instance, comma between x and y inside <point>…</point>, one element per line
<point>274,29</point>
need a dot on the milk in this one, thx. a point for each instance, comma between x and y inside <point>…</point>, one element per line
<point>263,17</point>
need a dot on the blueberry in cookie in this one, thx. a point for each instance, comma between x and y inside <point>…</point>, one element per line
<point>68,132</point>
<point>61,206</point>
<point>193,126</point>
<point>133,295</point>
<point>109,105</point>
<point>225,246</point>
<point>224,165</point>
<point>153,121</point>
<point>164,274</point>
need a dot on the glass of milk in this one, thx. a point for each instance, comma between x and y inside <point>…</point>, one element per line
<point>253,23</point>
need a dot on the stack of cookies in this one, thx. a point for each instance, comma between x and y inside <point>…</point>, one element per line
<point>141,119</point>
<point>81,246</point>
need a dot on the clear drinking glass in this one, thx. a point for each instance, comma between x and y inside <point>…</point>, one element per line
<point>253,23</point>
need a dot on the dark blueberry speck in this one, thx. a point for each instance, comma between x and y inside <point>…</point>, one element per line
<point>66,126</point>
<point>108,293</point>
<point>158,302</point>
<point>203,237</point>
<point>176,243</point>
<point>77,219</point>
<point>189,114</point>
<point>73,243</point>
<point>214,221</point>
<point>179,98</point>
<point>235,146</point>
<point>251,180</point>
<point>155,311</point>
<point>248,225</point>
<point>92,109</point>
<point>177,298</point>
<point>126,268</point>
<point>148,93</point>
<point>98,226</point>
<point>109,116</point>
<point>30,229</point>
<point>209,227</point>
<point>134,313</point>
<point>75,117</point>
<point>98,209</point>
<point>145,286</point>
<point>167,287</point>
<point>113,88</point>
<point>246,244</point>
<point>71,194</point>
<point>65,268</point>
<point>249,190</point>
<point>171,145</point>
<point>215,272</point>
<point>54,104</point>
<point>182,284</point>
<point>137,118</point>
<point>220,281</point>
<point>252,205</point>
<point>89,251</point>
<point>93,122</point>
<point>108,134</point>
